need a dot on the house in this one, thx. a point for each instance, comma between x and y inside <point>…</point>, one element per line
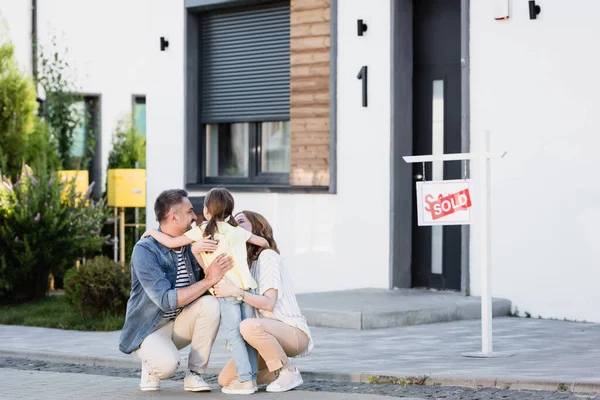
<point>304,109</point>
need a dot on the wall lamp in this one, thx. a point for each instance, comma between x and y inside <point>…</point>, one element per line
<point>362,27</point>
<point>164,43</point>
<point>534,10</point>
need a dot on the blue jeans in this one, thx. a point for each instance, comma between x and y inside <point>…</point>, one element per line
<point>233,312</point>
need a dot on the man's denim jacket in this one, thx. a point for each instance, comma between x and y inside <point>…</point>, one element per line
<point>153,293</point>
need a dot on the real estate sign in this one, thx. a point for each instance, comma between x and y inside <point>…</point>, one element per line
<point>444,202</point>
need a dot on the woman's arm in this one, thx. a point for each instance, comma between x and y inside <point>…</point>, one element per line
<point>168,241</point>
<point>263,302</point>
<point>258,241</point>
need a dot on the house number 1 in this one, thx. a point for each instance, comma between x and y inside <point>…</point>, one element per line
<point>362,75</point>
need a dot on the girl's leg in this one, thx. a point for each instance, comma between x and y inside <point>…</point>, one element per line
<point>248,312</point>
<point>231,316</point>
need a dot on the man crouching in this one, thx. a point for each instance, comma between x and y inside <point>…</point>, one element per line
<point>169,307</point>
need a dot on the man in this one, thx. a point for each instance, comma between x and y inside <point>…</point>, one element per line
<point>168,308</point>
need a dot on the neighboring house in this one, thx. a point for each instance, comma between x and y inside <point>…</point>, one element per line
<point>263,98</point>
<point>108,51</point>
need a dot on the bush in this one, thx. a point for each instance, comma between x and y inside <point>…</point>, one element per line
<point>44,227</point>
<point>100,286</point>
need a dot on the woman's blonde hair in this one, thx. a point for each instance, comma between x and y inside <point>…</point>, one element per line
<point>262,228</point>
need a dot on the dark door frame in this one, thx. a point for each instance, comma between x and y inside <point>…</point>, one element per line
<point>401,174</point>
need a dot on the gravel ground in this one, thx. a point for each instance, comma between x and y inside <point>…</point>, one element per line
<point>432,392</point>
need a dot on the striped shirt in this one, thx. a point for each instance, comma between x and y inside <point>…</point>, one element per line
<point>271,273</point>
<point>182,280</point>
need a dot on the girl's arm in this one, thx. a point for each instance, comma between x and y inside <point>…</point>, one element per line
<point>258,241</point>
<point>203,245</point>
<point>169,241</point>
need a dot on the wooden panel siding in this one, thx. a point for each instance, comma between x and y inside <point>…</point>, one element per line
<point>309,92</point>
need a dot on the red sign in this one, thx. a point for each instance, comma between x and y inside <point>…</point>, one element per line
<point>447,205</point>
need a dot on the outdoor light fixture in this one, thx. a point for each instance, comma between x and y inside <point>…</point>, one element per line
<point>362,27</point>
<point>164,43</point>
<point>534,10</point>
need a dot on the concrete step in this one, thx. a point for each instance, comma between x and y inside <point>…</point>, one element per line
<point>380,308</point>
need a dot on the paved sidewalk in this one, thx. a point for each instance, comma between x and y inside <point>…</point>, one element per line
<point>36,385</point>
<point>546,353</point>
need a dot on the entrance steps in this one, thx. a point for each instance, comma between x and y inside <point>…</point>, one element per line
<point>380,308</point>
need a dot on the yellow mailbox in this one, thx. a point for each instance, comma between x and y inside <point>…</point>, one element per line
<point>81,178</point>
<point>127,188</point>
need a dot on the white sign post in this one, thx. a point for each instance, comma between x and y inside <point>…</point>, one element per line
<point>453,207</point>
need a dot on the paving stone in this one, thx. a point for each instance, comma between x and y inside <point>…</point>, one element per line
<point>544,351</point>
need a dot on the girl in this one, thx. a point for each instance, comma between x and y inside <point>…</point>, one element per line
<point>231,239</point>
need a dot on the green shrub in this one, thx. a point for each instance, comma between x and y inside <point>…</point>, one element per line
<point>43,230</point>
<point>100,286</point>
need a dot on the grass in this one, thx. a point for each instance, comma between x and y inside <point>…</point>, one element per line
<point>402,381</point>
<point>562,387</point>
<point>55,312</point>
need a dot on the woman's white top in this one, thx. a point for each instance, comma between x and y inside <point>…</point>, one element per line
<point>270,272</point>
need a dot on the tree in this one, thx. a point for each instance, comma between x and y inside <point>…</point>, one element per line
<point>17,111</point>
<point>128,146</point>
<point>61,109</point>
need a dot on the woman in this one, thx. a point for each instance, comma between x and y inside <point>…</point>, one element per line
<point>280,331</point>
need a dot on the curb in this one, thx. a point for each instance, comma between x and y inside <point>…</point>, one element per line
<point>434,380</point>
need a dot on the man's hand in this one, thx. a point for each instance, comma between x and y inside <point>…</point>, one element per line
<point>216,270</point>
<point>204,245</point>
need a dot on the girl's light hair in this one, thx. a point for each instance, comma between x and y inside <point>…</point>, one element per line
<point>219,203</point>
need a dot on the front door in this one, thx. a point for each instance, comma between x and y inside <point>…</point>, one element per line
<point>436,251</point>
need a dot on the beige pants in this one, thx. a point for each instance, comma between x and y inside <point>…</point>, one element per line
<point>274,340</point>
<point>197,324</point>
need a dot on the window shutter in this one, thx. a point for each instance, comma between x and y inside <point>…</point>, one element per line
<point>245,64</point>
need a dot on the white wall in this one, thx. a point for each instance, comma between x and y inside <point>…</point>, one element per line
<point>165,104</point>
<point>331,242</point>
<point>15,25</point>
<point>534,85</point>
<point>108,45</point>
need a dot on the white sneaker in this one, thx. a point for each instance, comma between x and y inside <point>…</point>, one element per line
<point>237,387</point>
<point>287,380</point>
<point>148,383</point>
<point>193,382</point>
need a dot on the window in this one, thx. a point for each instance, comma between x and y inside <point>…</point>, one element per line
<point>80,134</point>
<point>238,119</point>
<point>247,152</point>
<point>139,114</point>
<point>87,129</point>
<point>275,147</point>
<point>86,147</point>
